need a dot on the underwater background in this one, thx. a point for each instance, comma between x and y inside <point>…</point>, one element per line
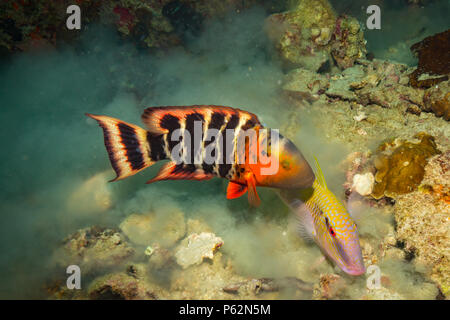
<point>374,112</point>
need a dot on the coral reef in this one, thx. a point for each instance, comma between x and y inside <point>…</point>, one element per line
<point>309,34</point>
<point>434,60</point>
<point>367,83</point>
<point>196,247</point>
<point>401,165</point>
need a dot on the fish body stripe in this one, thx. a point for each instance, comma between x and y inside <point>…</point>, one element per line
<point>131,148</point>
<point>225,144</point>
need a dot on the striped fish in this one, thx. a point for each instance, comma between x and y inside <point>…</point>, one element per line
<point>324,219</point>
<point>132,149</point>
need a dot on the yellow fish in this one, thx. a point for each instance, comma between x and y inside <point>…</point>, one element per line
<point>325,220</point>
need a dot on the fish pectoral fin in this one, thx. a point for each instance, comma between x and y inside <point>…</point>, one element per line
<point>173,171</point>
<point>253,197</point>
<point>235,190</point>
<point>305,221</point>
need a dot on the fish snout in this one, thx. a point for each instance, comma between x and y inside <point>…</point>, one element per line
<point>353,270</point>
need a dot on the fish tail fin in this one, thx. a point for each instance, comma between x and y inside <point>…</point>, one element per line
<point>128,146</point>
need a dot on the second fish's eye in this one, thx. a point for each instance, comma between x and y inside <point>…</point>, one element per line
<point>330,229</point>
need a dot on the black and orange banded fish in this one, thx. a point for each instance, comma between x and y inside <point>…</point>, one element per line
<point>132,149</point>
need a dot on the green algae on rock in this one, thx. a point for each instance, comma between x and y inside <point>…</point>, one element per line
<point>400,165</point>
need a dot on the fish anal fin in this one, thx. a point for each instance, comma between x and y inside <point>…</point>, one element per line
<point>173,171</point>
<point>253,197</point>
<point>235,190</point>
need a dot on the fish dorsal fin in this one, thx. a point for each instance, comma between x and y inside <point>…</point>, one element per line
<point>235,190</point>
<point>319,174</point>
<point>173,171</point>
<point>304,220</point>
<point>160,120</point>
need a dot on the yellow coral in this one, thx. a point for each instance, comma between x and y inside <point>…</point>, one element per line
<point>400,165</point>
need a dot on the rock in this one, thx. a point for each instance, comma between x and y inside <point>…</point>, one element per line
<point>196,247</point>
<point>437,100</point>
<point>348,43</point>
<point>363,183</point>
<point>120,286</point>
<point>330,287</point>
<point>360,117</point>
<point>309,34</point>
<point>382,294</point>
<point>340,85</point>
<point>301,35</point>
<point>160,258</point>
<point>423,221</point>
<point>434,60</point>
<point>94,249</point>
<point>257,286</point>
<point>165,228</point>
<point>306,85</point>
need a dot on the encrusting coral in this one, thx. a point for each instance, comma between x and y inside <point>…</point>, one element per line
<point>400,165</point>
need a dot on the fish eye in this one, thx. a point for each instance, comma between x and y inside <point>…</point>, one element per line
<point>333,234</point>
<point>285,164</point>
<point>330,228</point>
